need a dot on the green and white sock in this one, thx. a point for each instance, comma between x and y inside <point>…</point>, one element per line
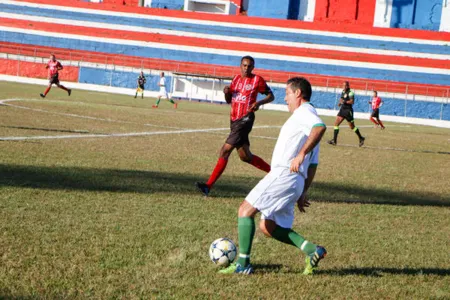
<point>290,237</point>
<point>246,232</point>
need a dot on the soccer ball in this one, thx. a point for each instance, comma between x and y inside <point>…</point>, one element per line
<point>222,252</point>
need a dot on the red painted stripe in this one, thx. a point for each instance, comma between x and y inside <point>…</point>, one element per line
<point>344,28</point>
<point>239,46</point>
<point>35,70</point>
<point>219,71</point>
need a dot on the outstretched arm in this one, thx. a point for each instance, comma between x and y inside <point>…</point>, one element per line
<point>314,138</point>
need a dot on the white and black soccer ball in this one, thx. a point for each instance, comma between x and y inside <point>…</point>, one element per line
<point>222,252</point>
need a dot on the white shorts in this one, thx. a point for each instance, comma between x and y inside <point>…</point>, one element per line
<point>163,93</point>
<point>275,196</point>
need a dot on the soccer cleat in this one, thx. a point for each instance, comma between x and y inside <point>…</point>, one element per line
<point>361,141</point>
<point>155,106</point>
<point>312,260</point>
<point>203,188</point>
<point>332,142</point>
<point>236,268</point>
<point>42,95</point>
<point>69,92</point>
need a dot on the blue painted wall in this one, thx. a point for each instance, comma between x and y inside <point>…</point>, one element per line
<point>120,79</point>
<point>416,14</point>
<point>169,4</point>
<point>278,9</point>
<point>393,107</point>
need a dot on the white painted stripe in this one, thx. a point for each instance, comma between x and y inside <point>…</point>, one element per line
<point>83,136</point>
<point>228,38</point>
<point>383,14</point>
<point>258,55</point>
<point>302,247</point>
<point>445,16</point>
<point>226,24</point>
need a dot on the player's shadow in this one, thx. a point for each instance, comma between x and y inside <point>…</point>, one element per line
<point>147,182</point>
<point>379,272</point>
<point>113,180</point>
<point>45,129</point>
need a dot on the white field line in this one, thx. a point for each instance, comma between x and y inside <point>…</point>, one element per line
<point>178,130</point>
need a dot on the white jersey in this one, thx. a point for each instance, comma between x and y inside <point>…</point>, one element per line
<point>162,84</point>
<point>293,136</point>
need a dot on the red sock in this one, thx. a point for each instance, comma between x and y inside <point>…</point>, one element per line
<point>47,90</point>
<point>260,164</point>
<point>373,121</point>
<point>381,124</point>
<point>63,87</point>
<point>218,170</point>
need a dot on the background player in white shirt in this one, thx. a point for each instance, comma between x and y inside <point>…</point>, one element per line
<point>293,167</point>
<point>163,91</point>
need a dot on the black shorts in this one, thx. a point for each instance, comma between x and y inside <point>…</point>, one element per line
<point>376,113</point>
<point>240,129</point>
<point>346,113</point>
<point>141,87</point>
<point>54,79</point>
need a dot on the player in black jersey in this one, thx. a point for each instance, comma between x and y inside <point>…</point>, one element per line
<point>346,112</point>
<point>141,85</point>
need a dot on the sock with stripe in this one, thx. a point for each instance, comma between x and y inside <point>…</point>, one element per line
<point>217,172</point>
<point>356,130</point>
<point>290,237</point>
<point>260,163</point>
<point>157,102</point>
<point>336,132</point>
<point>246,232</point>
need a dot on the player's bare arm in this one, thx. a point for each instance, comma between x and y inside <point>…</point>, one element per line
<point>314,138</point>
<point>303,201</point>
<point>228,94</point>
<point>269,98</point>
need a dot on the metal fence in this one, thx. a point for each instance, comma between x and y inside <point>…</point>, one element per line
<point>398,91</point>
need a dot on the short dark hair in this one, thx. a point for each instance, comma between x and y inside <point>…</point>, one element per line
<point>300,83</point>
<point>251,59</point>
<point>376,93</point>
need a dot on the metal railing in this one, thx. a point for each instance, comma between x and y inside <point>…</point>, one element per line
<point>408,92</point>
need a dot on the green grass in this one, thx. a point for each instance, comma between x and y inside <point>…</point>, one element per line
<point>119,217</point>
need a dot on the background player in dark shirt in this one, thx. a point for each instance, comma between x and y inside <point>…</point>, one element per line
<point>346,112</point>
<point>140,85</point>
<point>241,94</point>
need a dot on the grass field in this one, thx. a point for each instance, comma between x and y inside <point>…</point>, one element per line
<point>98,216</point>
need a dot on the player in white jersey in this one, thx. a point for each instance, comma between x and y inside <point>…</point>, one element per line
<point>293,167</point>
<point>163,92</point>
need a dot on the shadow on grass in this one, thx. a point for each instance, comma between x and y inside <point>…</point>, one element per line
<point>116,180</point>
<point>46,129</point>
<point>378,272</point>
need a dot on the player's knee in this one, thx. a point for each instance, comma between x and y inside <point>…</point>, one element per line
<point>262,226</point>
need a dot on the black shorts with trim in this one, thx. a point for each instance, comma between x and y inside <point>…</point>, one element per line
<point>141,86</point>
<point>240,129</point>
<point>346,113</point>
<point>54,79</point>
<point>375,113</point>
